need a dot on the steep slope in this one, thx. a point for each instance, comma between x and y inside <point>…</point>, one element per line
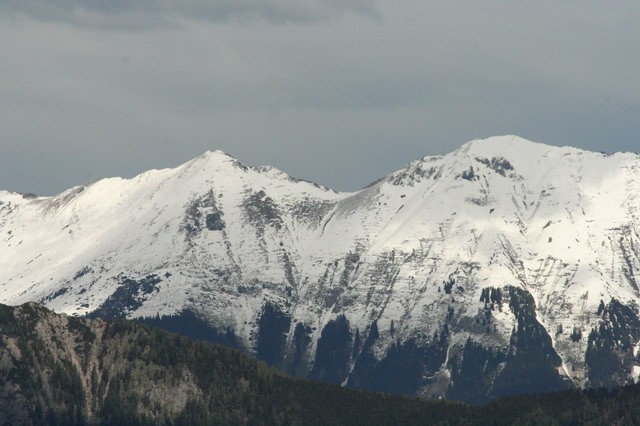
<point>505,266</point>
<point>56,369</point>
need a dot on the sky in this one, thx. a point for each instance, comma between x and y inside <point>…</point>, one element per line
<point>339,92</point>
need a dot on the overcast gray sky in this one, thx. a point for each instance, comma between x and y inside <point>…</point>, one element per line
<point>340,92</point>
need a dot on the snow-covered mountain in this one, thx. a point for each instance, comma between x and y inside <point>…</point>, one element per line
<point>505,266</point>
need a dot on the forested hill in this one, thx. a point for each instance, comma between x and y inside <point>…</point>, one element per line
<point>56,369</point>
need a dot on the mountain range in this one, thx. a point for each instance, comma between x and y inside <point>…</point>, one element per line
<point>504,267</point>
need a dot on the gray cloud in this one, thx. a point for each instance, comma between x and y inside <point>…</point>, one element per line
<point>340,102</point>
<point>149,14</point>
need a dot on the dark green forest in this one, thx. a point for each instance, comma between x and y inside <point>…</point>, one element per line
<point>63,370</point>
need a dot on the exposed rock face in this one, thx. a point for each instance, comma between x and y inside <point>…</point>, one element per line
<point>506,266</point>
<point>55,367</point>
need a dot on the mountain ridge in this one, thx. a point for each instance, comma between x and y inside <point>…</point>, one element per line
<point>502,242</point>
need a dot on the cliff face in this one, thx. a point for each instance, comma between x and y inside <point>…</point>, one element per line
<point>74,370</point>
<point>504,267</point>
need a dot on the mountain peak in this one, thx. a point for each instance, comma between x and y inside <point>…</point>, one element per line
<point>506,145</point>
<point>216,153</point>
<point>216,156</point>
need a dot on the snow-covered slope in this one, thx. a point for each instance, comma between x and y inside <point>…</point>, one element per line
<point>475,257</point>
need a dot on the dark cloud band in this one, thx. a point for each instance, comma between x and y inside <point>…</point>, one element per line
<point>142,14</point>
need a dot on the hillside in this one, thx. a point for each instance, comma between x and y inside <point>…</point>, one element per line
<point>59,369</point>
<point>56,369</point>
